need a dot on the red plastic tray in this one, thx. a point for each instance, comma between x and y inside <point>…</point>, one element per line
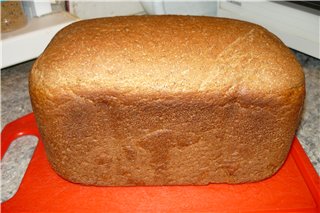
<point>295,188</point>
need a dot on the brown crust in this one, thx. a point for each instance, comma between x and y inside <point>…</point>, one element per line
<point>229,119</point>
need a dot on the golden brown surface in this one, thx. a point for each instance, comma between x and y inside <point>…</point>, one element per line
<point>166,100</point>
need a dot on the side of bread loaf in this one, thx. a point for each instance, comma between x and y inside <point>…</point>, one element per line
<point>166,100</point>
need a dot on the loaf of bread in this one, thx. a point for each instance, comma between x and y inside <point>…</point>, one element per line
<point>166,100</point>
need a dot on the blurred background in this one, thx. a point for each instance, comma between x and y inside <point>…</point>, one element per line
<point>28,26</point>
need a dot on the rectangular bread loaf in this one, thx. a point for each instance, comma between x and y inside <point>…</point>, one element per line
<point>166,100</point>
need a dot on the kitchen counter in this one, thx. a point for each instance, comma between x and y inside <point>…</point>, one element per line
<point>15,103</point>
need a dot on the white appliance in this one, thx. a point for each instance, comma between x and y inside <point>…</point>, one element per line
<point>298,26</point>
<point>199,8</point>
<point>29,42</point>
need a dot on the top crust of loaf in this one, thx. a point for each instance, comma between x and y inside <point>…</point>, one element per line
<point>167,54</point>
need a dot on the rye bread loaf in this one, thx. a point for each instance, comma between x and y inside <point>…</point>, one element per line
<point>166,100</point>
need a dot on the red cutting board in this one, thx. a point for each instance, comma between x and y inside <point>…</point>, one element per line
<point>295,188</point>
